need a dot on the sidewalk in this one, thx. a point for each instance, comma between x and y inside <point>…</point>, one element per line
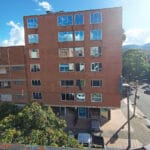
<point>140,135</point>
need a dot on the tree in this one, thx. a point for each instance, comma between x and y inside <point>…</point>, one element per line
<point>37,125</point>
<point>8,108</point>
<point>134,64</point>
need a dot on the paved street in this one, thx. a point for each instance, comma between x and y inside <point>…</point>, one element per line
<point>143,103</point>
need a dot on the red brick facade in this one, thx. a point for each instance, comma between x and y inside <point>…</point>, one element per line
<point>48,77</point>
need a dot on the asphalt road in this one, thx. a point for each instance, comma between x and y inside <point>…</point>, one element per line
<point>143,103</point>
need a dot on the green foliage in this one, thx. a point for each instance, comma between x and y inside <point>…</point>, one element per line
<point>7,108</point>
<point>37,125</point>
<point>135,65</point>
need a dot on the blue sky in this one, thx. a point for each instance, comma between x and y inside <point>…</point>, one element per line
<point>136,20</point>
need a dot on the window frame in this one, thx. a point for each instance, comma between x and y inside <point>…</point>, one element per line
<point>36,82</point>
<point>96,34</point>
<point>37,53</point>
<point>79,22</point>
<point>37,95</point>
<point>66,67</point>
<point>100,97</point>
<point>98,52</point>
<point>65,85</point>
<point>66,95</point>
<point>96,70</point>
<point>65,36</point>
<point>82,35</point>
<point>35,69</point>
<point>99,84</point>
<point>79,52</point>
<point>69,52</point>
<point>33,38</point>
<point>94,18</point>
<point>64,20</point>
<point>32,24</point>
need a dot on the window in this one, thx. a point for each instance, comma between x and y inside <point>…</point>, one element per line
<point>79,19</point>
<point>34,53</point>
<point>33,38</point>
<point>80,67</point>
<point>66,67</point>
<point>96,51</point>
<point>20,95</point>
<point>17,68</point>
<point>6,97</point>
<point>37,95</point>
<point>96,97</point>
<point>95,18</point>
<point>66,52</point>
<point>67,83</point>
<point>36,82</point>
<point>67,96</point>
<point>96,67</point>
<point>34,67</point>
<point>96,83</point>
<point>80,96</point>
<point>65,36</point>
<point>96,34</point>
<point>32,23</point>
<point>79,35</point>
<point>5,84</point>
<point>3,70</point>
<point>80,84</point>
<point>19,82</point>
<point>82,112</point>
<point>64,20</point>
<point>79,51</point>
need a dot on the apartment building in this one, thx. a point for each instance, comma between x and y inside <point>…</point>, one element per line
<point>71,60</point>
<point>13,85</point>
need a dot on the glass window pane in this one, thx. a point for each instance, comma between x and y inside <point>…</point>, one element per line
<point>79,19</point>
<point>65,36</point>
<point>96,97</point>
<point>64,20</point>
<point>33,38</point>
<point>32,23</point>
<point>79,51</point>
<point>96,34</point>
<point>95,51</point>
<point>79,35</point>
<point>95,18</point>
<point>96,67</point>
<point>34,53</point>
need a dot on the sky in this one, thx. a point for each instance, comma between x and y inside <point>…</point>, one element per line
<point>135,17</point>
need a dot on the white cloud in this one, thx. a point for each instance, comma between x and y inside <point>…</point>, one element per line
<point>45,5</point>
<point>137,36</point>
<point>16,35</point>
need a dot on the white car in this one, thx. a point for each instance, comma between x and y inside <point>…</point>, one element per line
<point>85,139</point>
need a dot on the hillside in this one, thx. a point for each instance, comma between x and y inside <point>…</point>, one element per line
<point>145,47</point>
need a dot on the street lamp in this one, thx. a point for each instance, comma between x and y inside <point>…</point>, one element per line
<point>127,92</point>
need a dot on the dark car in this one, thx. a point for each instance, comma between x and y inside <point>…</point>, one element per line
<point>147,91</point>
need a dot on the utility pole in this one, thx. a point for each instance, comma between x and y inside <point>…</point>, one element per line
<point>135,97</point>
<point>127,93</point>
<point>128,116</point>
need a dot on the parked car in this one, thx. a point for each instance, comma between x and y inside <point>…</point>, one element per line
<point>97,142</point>
<point>147,91</point>
<point>85,139</point>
